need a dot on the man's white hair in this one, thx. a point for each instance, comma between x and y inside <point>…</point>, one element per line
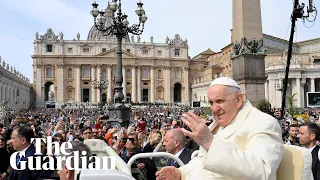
<point>77,146</point>
<point>233,90</point>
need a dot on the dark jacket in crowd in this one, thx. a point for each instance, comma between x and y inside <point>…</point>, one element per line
<point>28,174</point>
<point>315,163</point>
<point>5,160</point>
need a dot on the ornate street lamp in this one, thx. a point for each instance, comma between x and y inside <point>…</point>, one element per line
<point>120,28</point>
<point>101,85</point>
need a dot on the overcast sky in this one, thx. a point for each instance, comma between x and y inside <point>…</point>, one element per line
<point>205,23</point>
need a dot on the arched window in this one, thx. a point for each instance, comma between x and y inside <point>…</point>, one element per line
<point>49,72</point>
<point>86,72</point>
<point>69,73</point>
<point>160,74</point>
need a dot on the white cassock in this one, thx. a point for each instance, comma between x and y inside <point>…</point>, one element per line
<point>250,148</point>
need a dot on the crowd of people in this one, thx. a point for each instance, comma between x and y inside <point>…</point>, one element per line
<point>146,132</point>
<point>179,130</point>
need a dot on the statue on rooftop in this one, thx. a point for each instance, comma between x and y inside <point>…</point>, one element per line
<point>167,40</point>
<point>61,35</point>
<point>37,35</point>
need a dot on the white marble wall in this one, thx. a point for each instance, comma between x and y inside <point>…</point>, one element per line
<point>200,93</point>
<point>14,88</point>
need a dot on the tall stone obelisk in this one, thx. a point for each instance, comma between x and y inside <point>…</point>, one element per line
<point>248,63</point>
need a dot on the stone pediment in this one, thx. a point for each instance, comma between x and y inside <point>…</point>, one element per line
<point>113,53</point>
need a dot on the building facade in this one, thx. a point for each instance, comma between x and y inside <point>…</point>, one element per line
<point>203,71</point>
<point>15,88</point>
<point>304,73</point>
<point>152,72</point>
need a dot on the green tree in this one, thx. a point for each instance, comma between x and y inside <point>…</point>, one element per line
<point>292,107</point>
<point>206,111</point>
<point>263,105</point>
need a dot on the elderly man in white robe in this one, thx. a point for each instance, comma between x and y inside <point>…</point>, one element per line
<point>242,143</point>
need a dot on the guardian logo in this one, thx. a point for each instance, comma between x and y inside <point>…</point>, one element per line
<point>48,162</point>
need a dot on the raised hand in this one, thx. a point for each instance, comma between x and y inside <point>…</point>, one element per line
<point>200,132</point>
<point>169,173</point>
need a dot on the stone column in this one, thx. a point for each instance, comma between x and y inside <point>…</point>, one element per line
<point>266,88</point>
<point>246,20</point>
<point>14,96</point>
<point>3,95</point>
<point>5,92</point>
<point>21,98</point>
<point>168,84</point>
<point>139,84</point>
<point>10,95</point>
<point>186,85</point>
<point>298,85</point>
<point>60,83</point>
<point>78,83</point>
<point>93,77</point>
<point>124,83</point>
<point>98,78</point>
<point>313,87</point>
<point>43,95</point>
<point>1,91</point>
<point>247,24</point>
<point>153,84</point>
<point>39,100</point>
<point>110,83</point>
<point>134,84</point>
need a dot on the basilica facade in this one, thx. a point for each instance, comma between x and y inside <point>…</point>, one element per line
<point>64,70</point>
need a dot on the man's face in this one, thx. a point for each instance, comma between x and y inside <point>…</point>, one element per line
<point>166,126</point>
<point>169,143</point>
<point>87,134</point>
<point>100,132</point>
<point>224,104</point>
<point>293,131</point>
<point>17,141</point>
<point>104,129</point>
<point>304,136</point>
<point>114,137</point>
<point>94,133</point>
<point>88,123</point>
<point>2,141</point>
<point>4,130</point>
